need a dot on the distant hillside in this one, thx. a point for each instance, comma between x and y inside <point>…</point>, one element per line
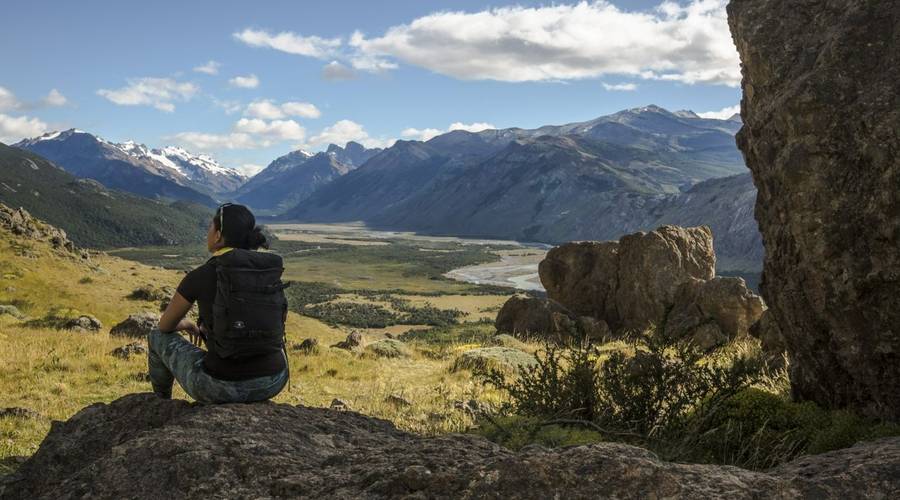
<point>92,215</point>
<point>291,178</point>
<point>591,180</point>
<point>115,166</point>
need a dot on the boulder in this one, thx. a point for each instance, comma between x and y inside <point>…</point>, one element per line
<point>128,350</point>
<point>821,114</point>
<point>270,450</point>
<point>308,347</point>
<point>666,276</point>
<point>387,348</point>
<point>534,317</point>
<point>136,325</point>
<point>84,323</point>
<point>724,305</point>
<point>11,310</point>
<point>18,412</point>
<point>352,343</point>
<point>151,293</point>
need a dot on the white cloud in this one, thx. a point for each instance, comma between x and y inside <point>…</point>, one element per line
<point>421,134</point>
<point>14,128</point>
<point>157,92</point>
<point>275,130</point>
<point>688,43</point>
<point>301,109</point>
<point>210,68</point>
<point>429,133</point>
<point>204,142</point>
<point>722,114</point>
<point>269,110</point>
<point>8,100</point>
<point>230,107</point>
<point>336,71</point>
<point>344,131</point>
<point>55,98</point>
<point>246,133</point>
<point>471,127</point>
<point>292,43</point>
<point>619,87</point>
<point>250,169</point>
<point>245,82</point>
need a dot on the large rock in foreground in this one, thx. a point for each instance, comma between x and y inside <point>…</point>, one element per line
<point>663,277</point>
<point>821,135</point>
<point>143,447</point>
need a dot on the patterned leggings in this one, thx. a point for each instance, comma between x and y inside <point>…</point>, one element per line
<point>171,357</point>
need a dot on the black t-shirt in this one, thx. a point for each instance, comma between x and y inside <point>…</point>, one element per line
<point>199,286</point>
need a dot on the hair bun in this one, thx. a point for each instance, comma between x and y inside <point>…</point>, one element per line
<point>257,239</point>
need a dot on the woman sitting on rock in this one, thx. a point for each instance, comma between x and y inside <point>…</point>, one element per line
<point>242,312</point>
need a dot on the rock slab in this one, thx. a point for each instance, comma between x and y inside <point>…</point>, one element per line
<point>272,450</point>
<point>821,135</point>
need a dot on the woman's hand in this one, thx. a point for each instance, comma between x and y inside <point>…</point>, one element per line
<point>193,331</point>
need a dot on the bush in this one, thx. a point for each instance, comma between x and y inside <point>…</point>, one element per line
<point>758,430</point>
<point>499,360</point>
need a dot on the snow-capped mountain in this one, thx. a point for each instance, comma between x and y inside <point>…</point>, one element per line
<point>73,148</point>
<point>201,172</point>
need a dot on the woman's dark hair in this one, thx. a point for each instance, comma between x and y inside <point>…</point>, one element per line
<point>238,227</point>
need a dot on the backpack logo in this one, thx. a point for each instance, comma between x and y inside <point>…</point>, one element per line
<point>238,325</point>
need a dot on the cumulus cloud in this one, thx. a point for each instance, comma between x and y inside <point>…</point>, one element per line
<point>619,87</point>
<point>722,114</point>
<point>269,110</point>
<point>429,133</point>
<point>250,169</point>
<point>688,43</point>
<point>55,98</point>
<point>8,100</point>
<point>275,130</point>
<point>14,128</point>
<point>421,134</point>
<point>246,133</point>
<point>245,82</point>
<point>292,43</point>
<point>157,92</point>
<point>344,131</point>
<point>210,68</point>
<point>335,71</point>
<point>205,142</point>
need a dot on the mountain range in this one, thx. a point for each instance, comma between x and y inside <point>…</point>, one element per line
<point>93,215</point>
<point>598,179</point>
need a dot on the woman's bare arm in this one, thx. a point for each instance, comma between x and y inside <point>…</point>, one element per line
<point>172,318</point>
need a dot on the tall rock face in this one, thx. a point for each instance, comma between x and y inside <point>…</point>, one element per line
<point>821,136</point>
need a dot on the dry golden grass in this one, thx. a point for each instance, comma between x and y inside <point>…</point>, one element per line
<point>56,373</point>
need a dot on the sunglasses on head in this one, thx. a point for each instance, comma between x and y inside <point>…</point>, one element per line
<point>222,216</point>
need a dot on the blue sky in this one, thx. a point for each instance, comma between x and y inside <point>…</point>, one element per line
<point>341,70</point>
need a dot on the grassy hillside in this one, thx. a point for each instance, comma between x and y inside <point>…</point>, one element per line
<point>92,215</point>
<point>56,373</point>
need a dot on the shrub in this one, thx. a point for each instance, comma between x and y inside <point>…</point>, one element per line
<point>500,360</point>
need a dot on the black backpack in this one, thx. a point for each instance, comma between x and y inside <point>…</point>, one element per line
<point>250,308</point>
